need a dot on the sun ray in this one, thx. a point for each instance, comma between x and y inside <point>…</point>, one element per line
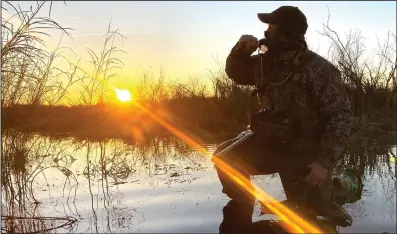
<point>293,222</point>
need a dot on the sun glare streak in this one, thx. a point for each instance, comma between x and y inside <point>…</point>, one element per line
<point>293,222</point>
<point>123,95</point>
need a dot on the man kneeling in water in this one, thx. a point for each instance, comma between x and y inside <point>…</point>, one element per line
<point>304,120</point>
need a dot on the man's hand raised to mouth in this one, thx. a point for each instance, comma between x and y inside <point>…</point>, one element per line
<point>249,43</point>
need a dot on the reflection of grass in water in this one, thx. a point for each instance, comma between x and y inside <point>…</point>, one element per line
<point>20,207</point>
<point>14,224</point>
<point>27,158</point>
<point>370,156</point>
<point>119,160</point>
<point>370,153</point>
<point>97,172</point>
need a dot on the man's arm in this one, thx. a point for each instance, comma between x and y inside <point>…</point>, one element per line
<point>240,65</point>
<point>334,110</point>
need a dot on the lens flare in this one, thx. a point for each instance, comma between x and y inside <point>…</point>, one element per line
<point>293,222</point>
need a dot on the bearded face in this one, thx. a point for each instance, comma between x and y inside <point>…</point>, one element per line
<point>277,40</point>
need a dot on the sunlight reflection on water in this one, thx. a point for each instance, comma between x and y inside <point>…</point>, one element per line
<point>163,186</point>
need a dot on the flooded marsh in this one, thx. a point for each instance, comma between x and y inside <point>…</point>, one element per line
<point>58,185</point>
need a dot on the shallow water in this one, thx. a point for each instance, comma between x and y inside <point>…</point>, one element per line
<point>161,186</point>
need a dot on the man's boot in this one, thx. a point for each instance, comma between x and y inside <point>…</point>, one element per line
<point>315,202</point>
<point>328,209</point>
<point>338,215</point>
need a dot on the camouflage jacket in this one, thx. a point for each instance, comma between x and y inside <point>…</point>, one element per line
<point>312,94</point>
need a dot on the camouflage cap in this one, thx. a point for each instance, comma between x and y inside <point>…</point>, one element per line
<point>286,17</point>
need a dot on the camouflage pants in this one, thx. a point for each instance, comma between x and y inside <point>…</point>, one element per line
<point>257,156</point>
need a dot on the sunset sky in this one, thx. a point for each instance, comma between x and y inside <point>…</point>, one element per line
<point>185,37</point>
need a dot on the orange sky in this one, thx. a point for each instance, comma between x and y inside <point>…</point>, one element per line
<point>183,38</point>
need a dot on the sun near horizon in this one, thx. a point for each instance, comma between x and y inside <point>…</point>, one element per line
<point>123,95</point>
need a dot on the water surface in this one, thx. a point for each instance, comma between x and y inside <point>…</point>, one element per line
<point>76,186</point>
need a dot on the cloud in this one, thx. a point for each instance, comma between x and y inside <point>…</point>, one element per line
<point>123,33</point>
<point>87,35</point>
<point>73,17</point>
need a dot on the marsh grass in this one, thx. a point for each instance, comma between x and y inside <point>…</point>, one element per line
<point>28,71</point>
<point>95,88</point>
<point>33,88</point>
<point>370,81</point>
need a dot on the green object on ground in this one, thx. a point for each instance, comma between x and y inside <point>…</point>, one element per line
<point>393,159</point>
<point>348,187</point>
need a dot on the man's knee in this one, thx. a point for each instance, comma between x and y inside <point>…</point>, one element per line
<point>235,152</point>
<point>215,157</point>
